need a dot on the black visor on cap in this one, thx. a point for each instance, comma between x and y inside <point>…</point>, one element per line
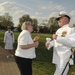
<point>62,15</point>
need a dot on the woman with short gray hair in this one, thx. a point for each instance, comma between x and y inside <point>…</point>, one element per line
<point>25,51</point>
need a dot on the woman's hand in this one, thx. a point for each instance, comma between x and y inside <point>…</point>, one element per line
<point>36,38</point>
<point>36,44</point>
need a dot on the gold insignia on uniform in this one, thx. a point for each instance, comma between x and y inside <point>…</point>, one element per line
<point>64,33</point>
<point>71,26</point>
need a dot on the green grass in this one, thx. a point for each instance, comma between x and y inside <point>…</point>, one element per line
<point>42,64</point>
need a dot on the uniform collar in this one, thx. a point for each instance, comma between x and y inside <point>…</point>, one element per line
<point>66,25</point>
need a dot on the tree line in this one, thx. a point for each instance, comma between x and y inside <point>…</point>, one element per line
<point>49,26</point>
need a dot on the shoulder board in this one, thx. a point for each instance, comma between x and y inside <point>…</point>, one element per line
<point>71,26</point>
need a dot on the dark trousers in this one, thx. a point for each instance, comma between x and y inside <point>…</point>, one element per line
<point>24,65</point>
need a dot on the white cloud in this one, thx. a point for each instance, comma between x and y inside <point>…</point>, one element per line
<point>72,21</point>
<point>50,6</point>
<point>38,13</point>
<point>7,5</point>
<point>25,7</point>
<point>43,17</point>
<point>14,10</point>
<point>40,10</point>
<point>53,14</point>
<point>72,13</point>
<point>40,17</point>
<point>59,7</point>
<point>1,8</point>
<point>44,8</point>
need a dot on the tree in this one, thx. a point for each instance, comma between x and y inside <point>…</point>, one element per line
<point>24,18</point>
<point>45,23</point>
<point>19,28</point>
<point>35,22</point>
<point>27,17</point>
<point>43,29</point>
<point>6,20</point>
<point>53,25</point>
<point>0,22</point>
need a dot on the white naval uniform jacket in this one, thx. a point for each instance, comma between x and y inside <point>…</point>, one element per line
<point>62,45</point>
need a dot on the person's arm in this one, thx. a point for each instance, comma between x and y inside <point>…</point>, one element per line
<point>24,40</point>
<point>67,41</point>
<point>49,44</point>
<point>35,44</point>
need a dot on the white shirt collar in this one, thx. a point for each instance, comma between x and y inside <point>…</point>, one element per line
<point>66,25</point>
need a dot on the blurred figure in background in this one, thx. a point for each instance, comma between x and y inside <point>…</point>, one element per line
<point>9,41</point>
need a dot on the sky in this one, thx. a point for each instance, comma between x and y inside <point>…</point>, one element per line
<point>39,9</point>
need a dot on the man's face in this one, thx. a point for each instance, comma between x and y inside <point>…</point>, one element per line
<point>62,21</point>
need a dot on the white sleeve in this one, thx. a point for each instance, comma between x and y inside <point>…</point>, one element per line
<point>67,41</point>
<point>23,40</point>
<point>51,44</point>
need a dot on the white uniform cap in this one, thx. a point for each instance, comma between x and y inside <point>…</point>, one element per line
<point>63,12</point>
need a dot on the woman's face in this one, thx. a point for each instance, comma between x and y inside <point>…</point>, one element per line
<point>30,28</point>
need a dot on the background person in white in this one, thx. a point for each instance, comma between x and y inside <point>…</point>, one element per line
<point>25,51</point>
<point>8,41</point>
<point>62,42</point>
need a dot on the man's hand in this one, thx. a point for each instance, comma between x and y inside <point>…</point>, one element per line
<point>54,36</point>
<point>47,44</point>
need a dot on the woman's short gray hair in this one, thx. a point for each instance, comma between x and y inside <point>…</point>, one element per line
<point>24,25</point>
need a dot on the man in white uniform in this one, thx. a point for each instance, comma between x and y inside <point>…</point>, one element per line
<point>63,41</point>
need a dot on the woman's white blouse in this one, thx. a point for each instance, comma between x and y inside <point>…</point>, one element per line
<point>24,39</point>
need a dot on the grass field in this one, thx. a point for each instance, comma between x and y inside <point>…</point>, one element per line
<point>42,65</point>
